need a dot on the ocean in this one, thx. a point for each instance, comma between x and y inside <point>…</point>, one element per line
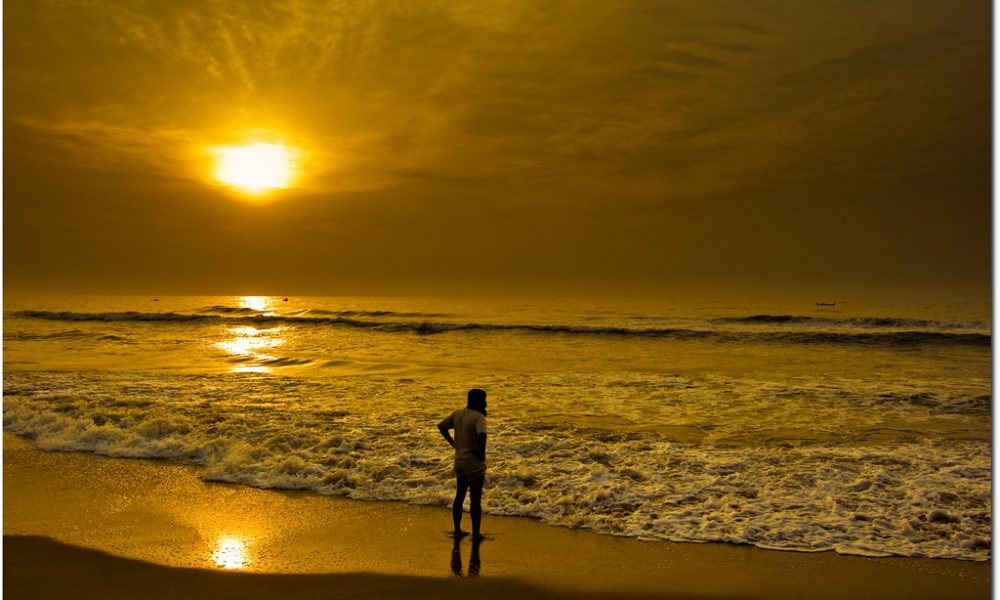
<point>857,427</point>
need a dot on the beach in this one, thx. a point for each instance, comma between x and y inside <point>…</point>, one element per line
<point>81,525</point>
<point>712,283</point>
<point>257,447</point>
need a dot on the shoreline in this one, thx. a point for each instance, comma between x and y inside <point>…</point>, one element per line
<point>162,514</point>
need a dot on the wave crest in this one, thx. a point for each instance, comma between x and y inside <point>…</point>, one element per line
<point>889,338</point>
<point>870,322</point>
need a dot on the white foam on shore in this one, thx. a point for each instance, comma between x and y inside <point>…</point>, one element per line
<point>682,475</point>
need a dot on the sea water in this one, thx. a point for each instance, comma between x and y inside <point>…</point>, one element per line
<point>859,428</point>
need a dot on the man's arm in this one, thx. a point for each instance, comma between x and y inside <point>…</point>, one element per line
<point>444,431</point>
<point>482,446</point>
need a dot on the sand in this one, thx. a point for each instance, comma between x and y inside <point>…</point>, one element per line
<point>79,525</point>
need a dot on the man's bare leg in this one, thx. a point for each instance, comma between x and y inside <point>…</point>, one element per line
<point>476,489</point>
<point>461,485</point>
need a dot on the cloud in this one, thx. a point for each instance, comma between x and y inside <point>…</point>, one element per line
<point>559,116</point>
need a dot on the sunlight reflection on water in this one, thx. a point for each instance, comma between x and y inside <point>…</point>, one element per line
<point>246,345</point>
<point>231,553</point>
<point>258,303</point>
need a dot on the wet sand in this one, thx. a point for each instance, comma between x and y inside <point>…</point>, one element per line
<point>134,528</point>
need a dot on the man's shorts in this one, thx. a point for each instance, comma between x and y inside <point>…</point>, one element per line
<point>471,469</point>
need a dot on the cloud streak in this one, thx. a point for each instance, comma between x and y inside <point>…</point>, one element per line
<point>538,115</point>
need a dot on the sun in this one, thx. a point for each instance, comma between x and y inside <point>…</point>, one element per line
<point>255,168</point>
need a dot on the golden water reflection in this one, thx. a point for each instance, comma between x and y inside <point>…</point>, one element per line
<point>248,346</point>
<point>231,553</point>
<point>258,303</point>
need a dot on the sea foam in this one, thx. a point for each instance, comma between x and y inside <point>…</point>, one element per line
<point>823,492</point>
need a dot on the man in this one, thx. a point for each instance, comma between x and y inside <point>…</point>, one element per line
<point>469,442</point>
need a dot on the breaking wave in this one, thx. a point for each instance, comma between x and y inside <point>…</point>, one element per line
<point>871,322</point>
<point>74,334</point>
<point>370,313</point>
<point>908,498</point>
<point>229,310</point>
<point>888,338</point>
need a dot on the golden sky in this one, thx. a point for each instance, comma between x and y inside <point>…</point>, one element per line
<point>442,147</point>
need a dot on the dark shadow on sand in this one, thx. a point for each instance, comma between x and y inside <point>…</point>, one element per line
<point>41,568</point>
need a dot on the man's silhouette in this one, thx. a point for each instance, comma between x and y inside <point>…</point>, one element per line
<point>469,442</point>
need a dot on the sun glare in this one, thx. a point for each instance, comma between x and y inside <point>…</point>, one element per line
<point>231,553</point>
<point>254,168</point>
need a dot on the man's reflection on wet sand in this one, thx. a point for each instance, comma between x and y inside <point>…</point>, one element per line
<point>456,558</point>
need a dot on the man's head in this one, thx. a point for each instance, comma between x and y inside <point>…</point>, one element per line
<point>477,400</point>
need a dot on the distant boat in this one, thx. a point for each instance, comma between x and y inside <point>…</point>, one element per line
<point>826,304</point>
<point>156,299</point>
<point>284,299</point>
